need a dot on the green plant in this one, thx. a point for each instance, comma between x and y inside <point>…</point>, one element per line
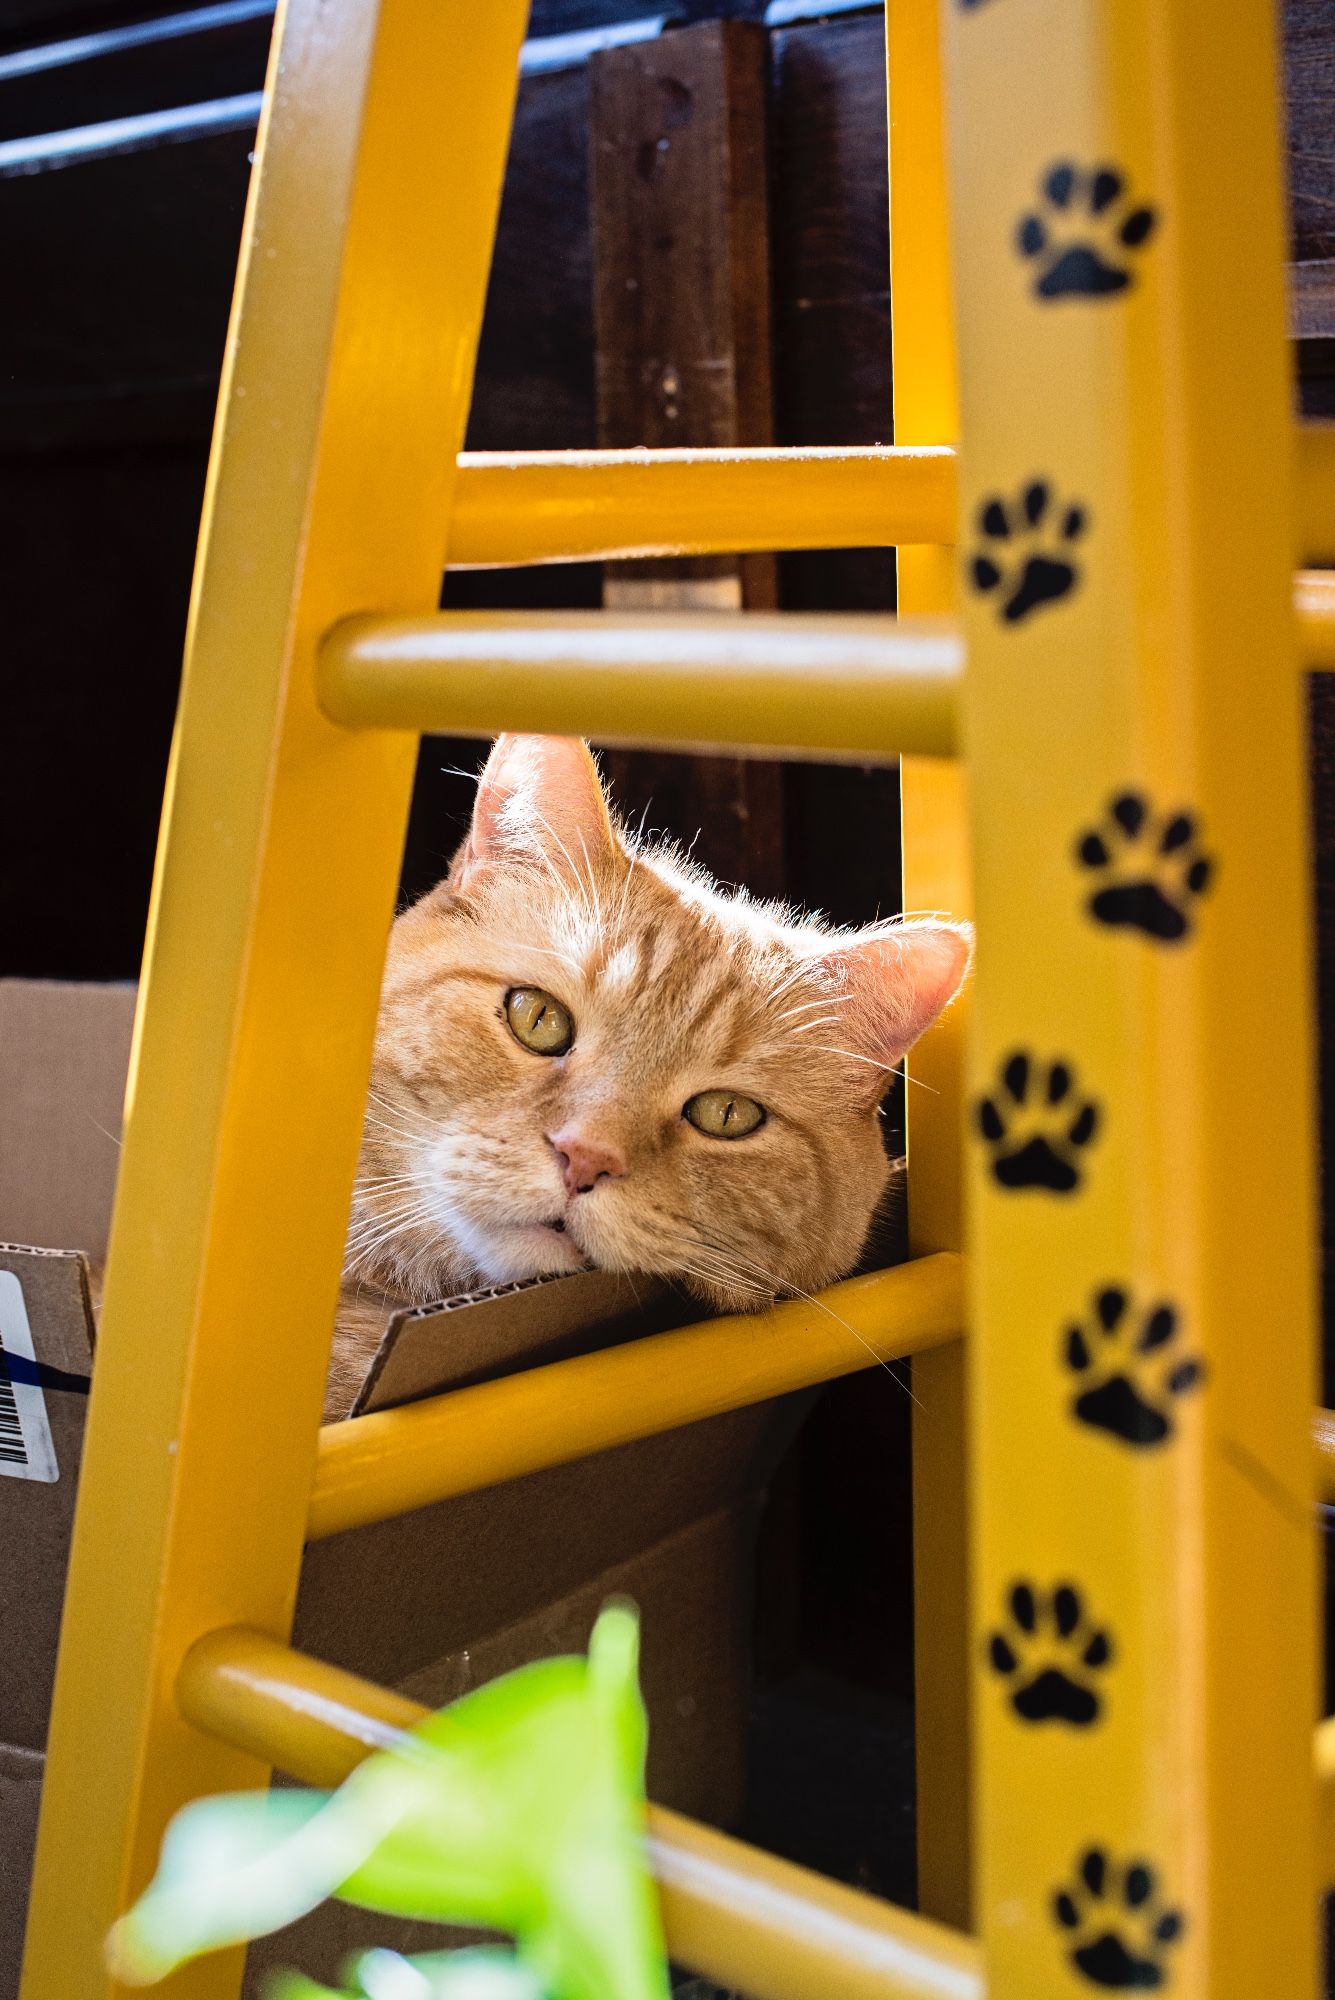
<point>519,1808</point>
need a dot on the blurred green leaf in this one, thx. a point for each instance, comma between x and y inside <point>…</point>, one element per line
<point>519,1808</point>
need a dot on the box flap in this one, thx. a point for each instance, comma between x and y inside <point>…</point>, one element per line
<point>64,1053</point>
<point>479,1336</point>
<point>387,1599</point>
<point>20,1794</point>
<point>384,1600</point>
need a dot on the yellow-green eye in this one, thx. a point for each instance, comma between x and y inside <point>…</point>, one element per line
<point>538,1022</point>
<point>722,1114</point>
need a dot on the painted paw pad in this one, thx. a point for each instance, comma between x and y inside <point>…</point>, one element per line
<point>1050,1656</point>
<point>1028,550</point>
<point>1036,1125</point>
<point>1128,1370</point>
<point>1150,871</point>
<point>1118,1933</point>
<point>1083,235</point>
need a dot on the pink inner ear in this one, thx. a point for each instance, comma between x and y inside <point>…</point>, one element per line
<point>900,978</point>
<point>540,792</point>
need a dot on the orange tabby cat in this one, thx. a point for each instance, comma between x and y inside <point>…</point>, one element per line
<point>587,1053</point>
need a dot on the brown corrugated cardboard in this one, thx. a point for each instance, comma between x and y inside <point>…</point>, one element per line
<point>694,1599</point>
<point>64,1051</point>
<point>433,1603</point>
<point>20,1795</point>
<point>481,1335</point>
<point>430,1584</point>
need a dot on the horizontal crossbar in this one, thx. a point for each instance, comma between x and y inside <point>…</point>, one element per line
<point>730,1912</point>
<point>1325,1806</point>
<point>1316,493</point>
<point>580,506</point>
<point>391,1461</point>
<point>856,687</point>
<point>1323,1447</point>
<point>1314,602</point>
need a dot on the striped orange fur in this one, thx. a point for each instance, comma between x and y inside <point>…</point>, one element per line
<point>674,988</point>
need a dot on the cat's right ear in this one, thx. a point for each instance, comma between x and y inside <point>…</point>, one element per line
<point>537,794</point>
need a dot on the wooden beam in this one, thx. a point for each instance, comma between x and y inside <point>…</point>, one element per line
<point>681,313</point>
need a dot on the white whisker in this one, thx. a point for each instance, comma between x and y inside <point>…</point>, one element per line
<point>586,897</point>
<point>567,959</point>
<point>393,1218</point>
<point>891,1069</point>
<point>401,1111</point>
<point>839,1320</point>
<point>821,1000</point>
<point>625,893</point>
<point>539,854</point>
<point>799,972</point>
<point>588,870</point>
<point>375,1230</point>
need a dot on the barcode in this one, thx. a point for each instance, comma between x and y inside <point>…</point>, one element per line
<point>27,1450</point>
<point>13,1450</point>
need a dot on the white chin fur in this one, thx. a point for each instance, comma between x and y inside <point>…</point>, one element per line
<point>505,1256</point>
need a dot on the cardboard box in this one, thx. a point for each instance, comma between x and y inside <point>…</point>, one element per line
<point>433,1603</point>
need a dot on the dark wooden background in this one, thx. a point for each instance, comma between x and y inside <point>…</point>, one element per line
<point>117,265</point>
<point>118,270</point>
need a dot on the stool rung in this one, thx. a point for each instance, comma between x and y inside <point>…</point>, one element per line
<point>1316,492</point>
<point>392,1461</point>
<point>585,506</point>
<point>737,1916</point>
<point>1323,1451</point>
<point>1325,1806</point>
<point>856,687</point>
<point>1314,602</point>
<point>582,506</point>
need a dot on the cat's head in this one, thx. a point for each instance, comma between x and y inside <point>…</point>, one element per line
<point>588,1053</point>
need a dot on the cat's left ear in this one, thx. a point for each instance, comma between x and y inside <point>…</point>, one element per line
<point>898,978</point>
<point>539,793</point>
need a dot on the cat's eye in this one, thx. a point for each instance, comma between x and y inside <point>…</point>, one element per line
<point>723,1114</point>
<point>538,1022</point>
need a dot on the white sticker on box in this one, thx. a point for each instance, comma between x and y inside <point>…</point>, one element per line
<point>26,1450</point>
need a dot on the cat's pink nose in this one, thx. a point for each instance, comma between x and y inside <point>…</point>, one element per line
<point>584,1162</point>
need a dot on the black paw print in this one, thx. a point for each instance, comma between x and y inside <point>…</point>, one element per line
<point>1112,1364</point>
<point>1079,238</point>
<point>1037,1126</point>
<point>1051,1656</point>
<point>1030,551</point>
<point>1150,871</point>
<point>1117,1931</point>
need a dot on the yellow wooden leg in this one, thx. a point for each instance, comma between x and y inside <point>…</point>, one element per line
<point>343,403</point>
<point>1141,1167</point>
<point>935,877</point>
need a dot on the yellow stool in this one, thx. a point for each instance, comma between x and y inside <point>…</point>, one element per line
<point>1155,410</point>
